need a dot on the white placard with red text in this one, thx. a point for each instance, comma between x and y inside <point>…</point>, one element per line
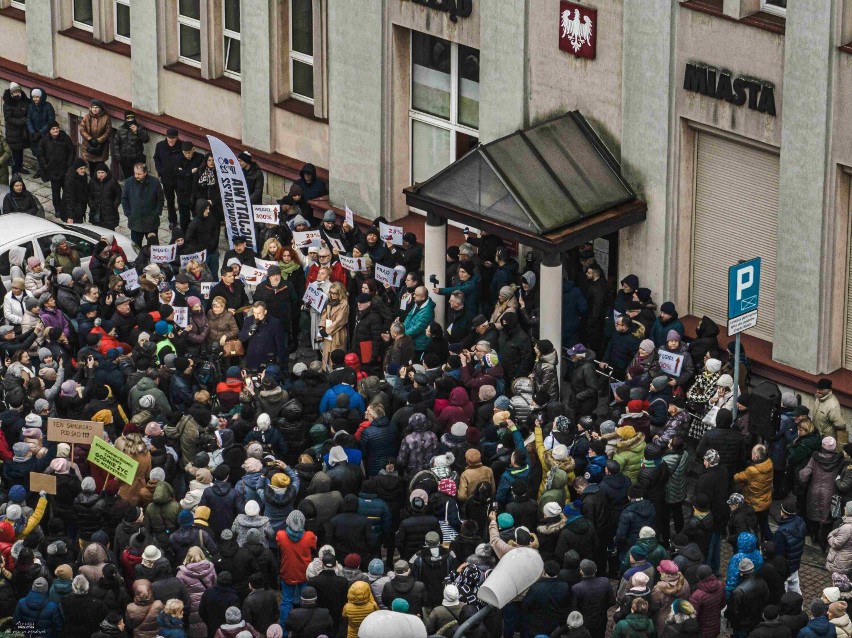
<point>266,214</point>
<point>392,233</point>
<point>163,254</point>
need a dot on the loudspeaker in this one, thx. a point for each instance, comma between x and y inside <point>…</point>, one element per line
<point>764,413</point>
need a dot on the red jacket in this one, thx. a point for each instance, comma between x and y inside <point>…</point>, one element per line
<point>295,557</point>
<point>708,598</point>
<point>5,452</point>
<point>337,273</point>
<point>7,539</point>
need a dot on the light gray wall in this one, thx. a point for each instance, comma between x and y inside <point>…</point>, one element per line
<point>256,30</point>
<point>145,55</point>
<point>42,21</point>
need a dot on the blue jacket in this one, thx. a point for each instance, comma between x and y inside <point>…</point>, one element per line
<point>636,515</point>
<point>595,468</point>
<point>789,541</point>
<point>819,627</point>
<point>378,512</point>
<point>329,399</point>
<point>182,392</point>
<point>746,548</point>
<point>574,308</point>
<point>251,487</point>
<point>511,474</point>
<point>416,322</point>
<point>278,501</point>
<point>39,116</point>
<point>659,331</point>
<point>41,614</point>
<point>271,438</point>
<point>379,442</point>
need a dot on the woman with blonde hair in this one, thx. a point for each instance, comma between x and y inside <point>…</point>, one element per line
<point>198,272</point>
<point>334,322</point>
<point>271,249</point>
<point>170,619</point>
<point>134,446</point>
<point>197,575</point>
<point>221,323</point>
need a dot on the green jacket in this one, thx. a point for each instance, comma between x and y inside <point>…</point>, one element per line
<point>147,385</point>
<point>802,448</point>
<point>5,160</point>
<point>556,493</point>
<point>629,455</point>
<point>634,626</point>
<point>416,322</point>
<point>655,551</point>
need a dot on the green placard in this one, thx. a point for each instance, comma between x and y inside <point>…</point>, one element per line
<point>116,463</point>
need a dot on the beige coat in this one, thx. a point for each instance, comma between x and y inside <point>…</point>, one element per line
<point>335,321</point>
<point>828,419</point>
<point>839,557</point>
<point>96,127</point>
<point>471,477</point>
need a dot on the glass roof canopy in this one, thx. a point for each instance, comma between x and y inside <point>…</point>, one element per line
<point>540,181</point>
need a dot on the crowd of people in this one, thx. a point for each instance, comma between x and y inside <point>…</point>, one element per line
<point>301,466</point>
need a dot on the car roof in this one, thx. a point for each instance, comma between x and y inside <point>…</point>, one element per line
<point>20,226</point>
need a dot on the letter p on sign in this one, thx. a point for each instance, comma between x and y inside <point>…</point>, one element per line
<point>745,280</point>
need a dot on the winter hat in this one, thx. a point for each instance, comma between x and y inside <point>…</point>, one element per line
<point>153,428</point>
<point>185,518</point>
<point>712,457</point>
<point>151,554</point>
<point>64,572</point>
<point>638,552</point>
<point>40,585</point>
<point>68,388</point>
<point>626,432</point>
<point>837,609</point>
<point>831,594</point>
<point>252,508</point>
<point>487,392</point>
<point>562,424</point>
<point>647,532</point>
<point>226,535</point>
<point>157,474</point>
<point>17,494</point>
<point>505,521</point>
<point>451,596</point>
<point>575,620</point>
<point>280,480</point>
<point>32,421</point>
<point>13,511</point>
<point>401,567</point>
<point>400,605</point>
<point>667,567</point>
<point>275,631</point>
<point>659,383</point>
<point>639,579</point>
<point>336,455</point>
<point>713,365</point>
<point>559,452</point>
<point>725,381</point>
<point>704,571</point>
<point>233,615</point>
<point>296,521</point>
<point>376,567</point>
<point>647,345</point>
<point>147,401</point>
<point>252,465</point>
<point>746,566</point>
<point>673,335</point>
<point>88,485</point>
<point>502,403</point>
<point>829,443</point>
<point>352,561</point>
<point>788,399</point>
<point>551,510</point>
<point>458,429</point>
<point>20,449</point>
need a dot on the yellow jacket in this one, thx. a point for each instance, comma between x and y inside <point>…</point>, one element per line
<point>756,481</point>
<point>34,520</point>
<point>545,458</point>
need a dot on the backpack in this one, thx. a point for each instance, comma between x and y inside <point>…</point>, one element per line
<point>765,409</point>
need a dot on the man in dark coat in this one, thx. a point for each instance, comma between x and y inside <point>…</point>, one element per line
<point>592,597</point>
<point>104,198</point>
<point>715,483</point>
<point>254,177</point>
<point>16,105</point>
<point>279,296</point>
<point>312,187</point>
<point>771,627</point>
<point>515,349</point>
<point>231,289</point>
<point>404,585</point>
<point>546,603</point>
<point>379,441</point>
<point>307,620</point>
<point>727,441</point>
<point>167,153</point>
<point>128,144</point>
<point>745,606</point>
<point>189,163</point>
<point>215,600</point>
<point>260,608</point>
<point>57,152</point>
<point>264,338</point>
<point>350,532</point>
<point>222,499</point>
<point>330,589</point>
<point>142,202</point>
<point>597,298</point>
<point>368,329</point>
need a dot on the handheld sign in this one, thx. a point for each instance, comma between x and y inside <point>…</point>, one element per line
<point>349,220</point>
<point>337,245</point>
<point>389,276</point>
<point>264,264</point>
<point>131,279</point>
<point>354,264</point>
<point>163,254</point>
<point>307,238</point>
<point>206,286</point>
<point>181,316</point>
<point>42,482</point>
<point>73,431</point>
<point>391,233</point>
<point>670,363</point>
<point>119,464</point>
<point>265,214</point>
<point>251,276</point>
<point>315,297</point>
<point>200,257</point>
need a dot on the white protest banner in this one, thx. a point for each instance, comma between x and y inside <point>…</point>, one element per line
<point>671,363</point>
<point>181,316</point>
<point>349,220</point>
<point>337,245</point>
<point>314,297</point>
<point>392,233</point>
<point>199,257</point>
<point>266,214</point>
<point>251,276</point>
<point>235,197</point>
<point>389,276</point>
<point>205,288</point>
<point>131,279</point>
<point>163,254</point>
<point>264,264</point>
<point>354,264</point>
<point>307,238</point>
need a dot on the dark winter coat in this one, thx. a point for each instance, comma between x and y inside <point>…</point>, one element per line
<point>143,203</point>
<point>407,588</point>
<point>203,232</point>
<point>224,503</point>
<point>379,442</point>
<point>165,160</point>
<point>592,597</point>
<point>819,627</point>
<point>39,117</point>
<point>715,483</point>
<point>745,606</point>
<point>104,199</point>
<point>184,176</point>
<point>706,340</point>
<point>58,154</point>
<point>36,611</point>
<point>81,615</point>
<point>254,183</point>
<point>23,202</point>
<point>729,443</point>
<point>128,145</point>
<point>15,115</point>
<point>545,606</point>
<point>708,599</point>
<point>789,539</point>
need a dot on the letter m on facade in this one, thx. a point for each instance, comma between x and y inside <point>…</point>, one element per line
<point>695,79</point>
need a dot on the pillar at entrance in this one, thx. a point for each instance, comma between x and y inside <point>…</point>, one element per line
<point>550,300</point>
<point>435,258</point>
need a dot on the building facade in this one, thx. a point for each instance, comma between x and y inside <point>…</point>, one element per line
<point>729,119</point>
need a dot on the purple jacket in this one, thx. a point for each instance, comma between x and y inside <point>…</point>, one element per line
<point>55,319</point>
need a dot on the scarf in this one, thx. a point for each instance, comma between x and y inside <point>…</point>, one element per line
<point>295,537</point>
<point>288,268</point>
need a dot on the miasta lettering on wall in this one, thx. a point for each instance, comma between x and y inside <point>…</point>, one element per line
<point>456,8</point>
<point>711,82</point>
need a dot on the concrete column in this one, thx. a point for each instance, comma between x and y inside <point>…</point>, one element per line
<point>550,300</point>
<point>803,225</point>
<point>42,25</point>
<point>435,259</point>
<point>502,70</point>
<point>256,24</point>
<point>145,59</point>
<point>355,103</point>
<point>645,135</point>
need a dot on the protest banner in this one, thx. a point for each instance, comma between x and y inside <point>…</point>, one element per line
<point>264,264</point>
<point>314,297</point>
<point>206,286</point>
<point>116,463</point>
<point>131,280</point>
<point>251,276</point>
<point>307,238</point>
<point>354,264</point>
<point>391,233</point>
<point>349,219</point>
<point>181,316</point>
<point>42,482</point>
<point>236,206</point>
<point>163,254</point>
<point>200,257</point>
<point>389,276</point>
<point>73,431</point>
<point>266,214</point>
<point>670,363</point>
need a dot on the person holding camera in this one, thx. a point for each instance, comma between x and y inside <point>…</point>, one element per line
<point>96,129</point>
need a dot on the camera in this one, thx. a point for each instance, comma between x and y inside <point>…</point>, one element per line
<point>433,279</point>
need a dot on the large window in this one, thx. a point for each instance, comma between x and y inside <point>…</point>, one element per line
<point>83,15</point>
<point>122,21</point>
<point>189,32</point>
<point>778,7</point>
<point>302,50</point>
<point>444,103</point>
<point>231,33</point>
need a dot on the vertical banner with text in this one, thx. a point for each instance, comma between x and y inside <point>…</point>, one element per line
<point>239,220</point>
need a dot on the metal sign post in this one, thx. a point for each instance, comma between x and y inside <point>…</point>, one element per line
<point>743,299</point>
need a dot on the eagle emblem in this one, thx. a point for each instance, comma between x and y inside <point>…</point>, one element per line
<point>577,30</point>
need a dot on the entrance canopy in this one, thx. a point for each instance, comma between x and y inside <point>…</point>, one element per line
<point>552,186</point>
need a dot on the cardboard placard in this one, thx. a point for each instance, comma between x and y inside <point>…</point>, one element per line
<point>266,214</point>
<point>73,431</point>
<point>251,276</point>
<point>200,257</point>
<point>181,316</point>
<point>42,482</point>
<point>349,219</point>
<point>670,363</point>
<point>119,464</point>
<point>307,239</point>
<point>264,264</point>
<point>163,254</point>
<point>315,297</point>
<point>391,233</point>
<point>337,245</point>
<point>131,280</point>
<point>205,288</point>
<point>353,264</point>
<point>392,277</point>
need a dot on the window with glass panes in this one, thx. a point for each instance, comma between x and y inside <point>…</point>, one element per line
<point>83,15</point>
<point>189,32</point>
<point>444,111</point>
<point>231,33</point>
<point>122,21</point>
<point>302,50</point>
<point>19,4</point>
<point>778,7</point>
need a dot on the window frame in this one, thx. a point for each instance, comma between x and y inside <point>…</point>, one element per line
<point>18,4</point>
<point>82,25</point>
<point>452,124</point>
<point>233,35</point>
<point>116,35</point>
<point>297,56</point>
<point>191,23</point>
<point>773,9</point>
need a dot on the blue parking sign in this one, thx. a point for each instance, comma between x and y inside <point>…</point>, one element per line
<point>743,295</point>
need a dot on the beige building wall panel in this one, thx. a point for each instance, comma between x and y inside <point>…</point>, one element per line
<point>300,137</point>
<point>13,41</point>
<point>419,18</point>
<point>207,106</point>
<point>94,67</point>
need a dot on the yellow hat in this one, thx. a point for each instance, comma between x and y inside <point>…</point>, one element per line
<point>202,514</point>
<point>280,480</point>
<point>626,432</point>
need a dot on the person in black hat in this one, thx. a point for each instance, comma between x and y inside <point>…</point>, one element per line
<point>366,336</point>
<point>189,163</point>
<point>827,417</point>
<point>789,541</point>
<point>167,154</point>
<point>280,298</point>
<point>129,144</point>
<point>241,252</point>
<point>253,175</point>
<point>411,255</point>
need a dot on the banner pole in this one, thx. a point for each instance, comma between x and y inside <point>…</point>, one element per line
<point>736,374</point>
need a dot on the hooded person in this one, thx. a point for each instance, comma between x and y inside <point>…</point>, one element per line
<point>359,605</point>
<point>251,518</point>
<point>295,545</point>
